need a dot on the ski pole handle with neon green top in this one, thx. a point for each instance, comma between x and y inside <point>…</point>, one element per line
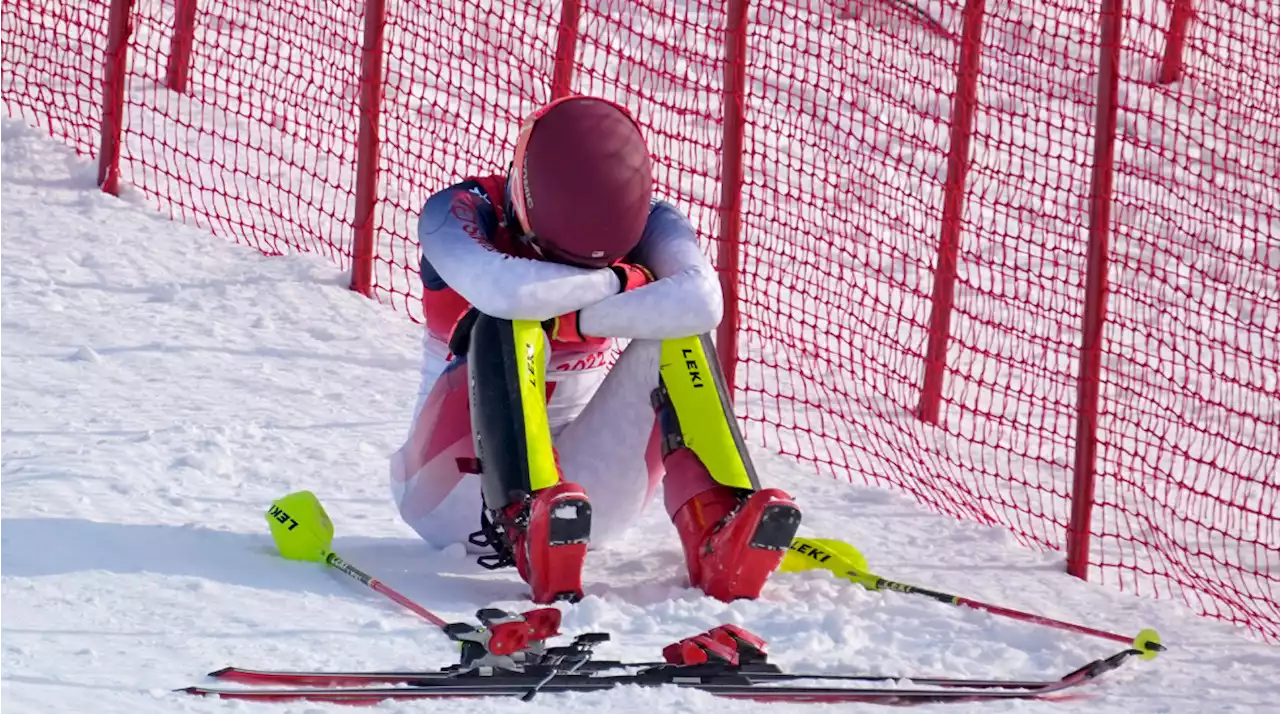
<point>303,531</point>
<point>845,561</point>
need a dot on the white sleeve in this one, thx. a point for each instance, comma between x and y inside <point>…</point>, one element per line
<point>500,285</point>
<point>684,299</point>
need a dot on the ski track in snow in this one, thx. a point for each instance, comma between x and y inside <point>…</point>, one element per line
<point>162,386</point>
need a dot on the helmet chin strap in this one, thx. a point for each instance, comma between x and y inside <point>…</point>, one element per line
<point>509,207</point>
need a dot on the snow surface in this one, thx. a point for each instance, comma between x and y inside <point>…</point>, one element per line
<point>267,157</point>
<point>161,386</point>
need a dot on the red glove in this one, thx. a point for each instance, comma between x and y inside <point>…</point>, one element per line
<point>631,275</point>
<point>565,329</point>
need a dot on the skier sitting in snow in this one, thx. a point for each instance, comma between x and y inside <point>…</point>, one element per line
<point>529,277</point>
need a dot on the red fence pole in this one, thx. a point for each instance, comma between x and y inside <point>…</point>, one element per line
<point>115,65</point>
<point>184,28</point>
<point>735,122</point>
<point>1111,16</point>
<point>566,49</point>
<point>1174,40</point>
<point>367,148</point>
<point>963,101</point>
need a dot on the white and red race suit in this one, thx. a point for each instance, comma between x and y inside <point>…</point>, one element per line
<point>598,397</point>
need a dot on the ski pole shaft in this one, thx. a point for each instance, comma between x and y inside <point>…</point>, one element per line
<point>882,583</point>
<point>342,566</point>
<point>846,562</point>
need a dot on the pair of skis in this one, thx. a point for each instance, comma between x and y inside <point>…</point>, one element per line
<point>507,655</point>
<point>726,662</point>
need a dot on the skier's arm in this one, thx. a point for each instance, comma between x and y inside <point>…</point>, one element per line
<point>684,299</point>
<point>453,233</point>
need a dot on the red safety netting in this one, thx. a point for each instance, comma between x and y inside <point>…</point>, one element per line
<point>1189,430</point>
<point>665,60</point>
<point>845,190</point>
<point>849,123</point>
<point>849,117</point>
<point>261,146</point>
<point>460,77</point>
<point>52,65</point>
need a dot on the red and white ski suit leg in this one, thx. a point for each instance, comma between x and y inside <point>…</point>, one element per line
<point>602,424</point>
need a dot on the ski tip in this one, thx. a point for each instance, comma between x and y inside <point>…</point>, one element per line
<point>1148,643</point>
<point>191,690</point>
<point>219,672</point>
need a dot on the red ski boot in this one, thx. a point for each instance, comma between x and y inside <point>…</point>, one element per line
<point>546,535</point>
<point>734,541</point>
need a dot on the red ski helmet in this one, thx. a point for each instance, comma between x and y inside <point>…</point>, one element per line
<point>581,181</point>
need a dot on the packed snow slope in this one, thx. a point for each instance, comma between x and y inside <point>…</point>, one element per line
<point>161,386</point>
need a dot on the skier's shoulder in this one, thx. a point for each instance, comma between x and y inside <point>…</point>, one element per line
<point>663,209</point>
<point>667,226</point>
<point>469,203</point>
<point>465,208</point>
